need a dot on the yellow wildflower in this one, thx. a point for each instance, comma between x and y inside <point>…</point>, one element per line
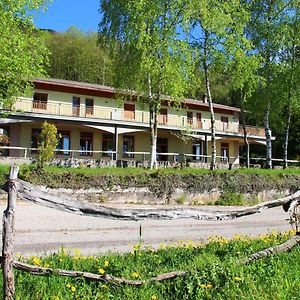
<point>73,289</point>
<point>236,278</point>
<point>46,265</point>
<point>135,274</point>
<point>36,261</point>
<point>68,285</point>
<point>101,271</point>
<point>153,297</point>
<point>106,263</point>
<point>209,286</point>
<point>55,298</point>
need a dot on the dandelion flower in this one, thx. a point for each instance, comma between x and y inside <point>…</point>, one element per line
<point>135,274</point>
<point>68,285</point>
<point>73,289</point>
<point>106,263</point>
<point>236,278</point>
<point>153,297</point>
<point>101,271</point>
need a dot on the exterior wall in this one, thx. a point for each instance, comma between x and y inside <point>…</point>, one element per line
<point>60,103</point>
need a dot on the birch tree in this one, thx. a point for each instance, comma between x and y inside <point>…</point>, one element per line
<point>150,57</point>
<point>291,71</point>
<point>22,52</point>
<point>216,32</point>
<point>266,32</point>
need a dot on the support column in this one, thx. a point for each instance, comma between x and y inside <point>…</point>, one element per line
<point>116,142</point>
<point>205,147</point>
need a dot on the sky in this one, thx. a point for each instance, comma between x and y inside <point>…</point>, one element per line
<point>61,14</point>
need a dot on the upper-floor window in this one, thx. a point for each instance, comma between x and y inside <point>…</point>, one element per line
<point>40,100</point>
<point>129,111</point>
<point>199,120</point>
<point>76,106</point>
<point>163,116</point>
<point>224,121</point>
<point>89,106</point>
<point>189,115</point>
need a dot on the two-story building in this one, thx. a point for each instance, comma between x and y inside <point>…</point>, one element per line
<point>93,122</point>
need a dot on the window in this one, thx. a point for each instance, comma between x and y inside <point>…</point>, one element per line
<point>35,139</point>
<point>76,106</point>
<point>86,143</point>
<point>64,142</point>
<point>199,120</point>
<point>129,111</point>
<point>224,121</point>
<point>162,147</point>
<point>163,116</point>
<point>128,145</point>
<point>189,115</point>
<point>89,106</point>
<point>197,151</point>
<point>40,101</point>
<point>107,143</point>
<point>224,152</point>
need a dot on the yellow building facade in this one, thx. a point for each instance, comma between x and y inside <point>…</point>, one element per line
<point>95,122</point>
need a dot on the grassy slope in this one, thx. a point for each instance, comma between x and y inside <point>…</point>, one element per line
<point>212,273</point>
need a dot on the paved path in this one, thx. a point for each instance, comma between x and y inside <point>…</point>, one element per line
<point>42,230</point>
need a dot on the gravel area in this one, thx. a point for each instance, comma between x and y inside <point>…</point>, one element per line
<point>41,230</point>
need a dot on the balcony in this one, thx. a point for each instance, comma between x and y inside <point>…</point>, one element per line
<point>252,131</point>
<point>119,114</point>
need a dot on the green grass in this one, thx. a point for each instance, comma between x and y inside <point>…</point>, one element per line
<point>187,170</point>
<point>212,273</point>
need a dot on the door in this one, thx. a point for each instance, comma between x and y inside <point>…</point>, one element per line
<point>162,147</point>
<point>224,152</point>
<point>76,106</point>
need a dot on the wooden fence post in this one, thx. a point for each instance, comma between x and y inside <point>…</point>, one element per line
<point>8,237</point>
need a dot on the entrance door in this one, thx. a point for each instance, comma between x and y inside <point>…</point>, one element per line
<point>76,106</point>
<point>225,152</point>
<point>162,147</point>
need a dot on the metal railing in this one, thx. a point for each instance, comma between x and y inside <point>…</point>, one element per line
<point>119,114</point>
<point>100,154</point>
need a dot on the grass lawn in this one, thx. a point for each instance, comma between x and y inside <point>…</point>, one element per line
<point>212,269</point>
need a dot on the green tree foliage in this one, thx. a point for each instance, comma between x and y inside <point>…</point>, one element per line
<point>22,51</point>
<point>151,59</point>
<point>216,33</point>
<point>75,55</point>
<point>48,141</point>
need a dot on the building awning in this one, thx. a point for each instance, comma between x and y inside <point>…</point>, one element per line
<point>111,129</point>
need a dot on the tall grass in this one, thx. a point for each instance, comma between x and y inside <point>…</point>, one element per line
<point>212,268</point>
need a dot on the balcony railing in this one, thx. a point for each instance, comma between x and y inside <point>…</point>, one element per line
<point>119,114</point>
<point>251,130</point>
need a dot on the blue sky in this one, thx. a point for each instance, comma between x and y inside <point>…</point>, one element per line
<point>61,14</point>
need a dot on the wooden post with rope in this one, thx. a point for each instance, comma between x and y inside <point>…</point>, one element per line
<point>8,237</point>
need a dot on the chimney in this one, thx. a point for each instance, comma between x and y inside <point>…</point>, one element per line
<point>204,98</point>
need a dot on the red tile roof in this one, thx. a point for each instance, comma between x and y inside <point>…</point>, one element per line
<point>92,89</point>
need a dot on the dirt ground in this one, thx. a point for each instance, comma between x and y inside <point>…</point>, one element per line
<point>41,230</point>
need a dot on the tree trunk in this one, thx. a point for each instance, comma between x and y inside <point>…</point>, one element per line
<point>211,109</point>
<point>153,126</point>
<point>246,142</point>
<point>8,237</point>
<point>286,139</point>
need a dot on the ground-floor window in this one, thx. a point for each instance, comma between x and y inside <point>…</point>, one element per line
<point>162,147</point>
<point>197,151</point>
<point>86,143</point>
<point>128,145</point>
<point>224,151</point>
<point>64,142</point>
<point>35,139</point>
<point>107,143</point>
